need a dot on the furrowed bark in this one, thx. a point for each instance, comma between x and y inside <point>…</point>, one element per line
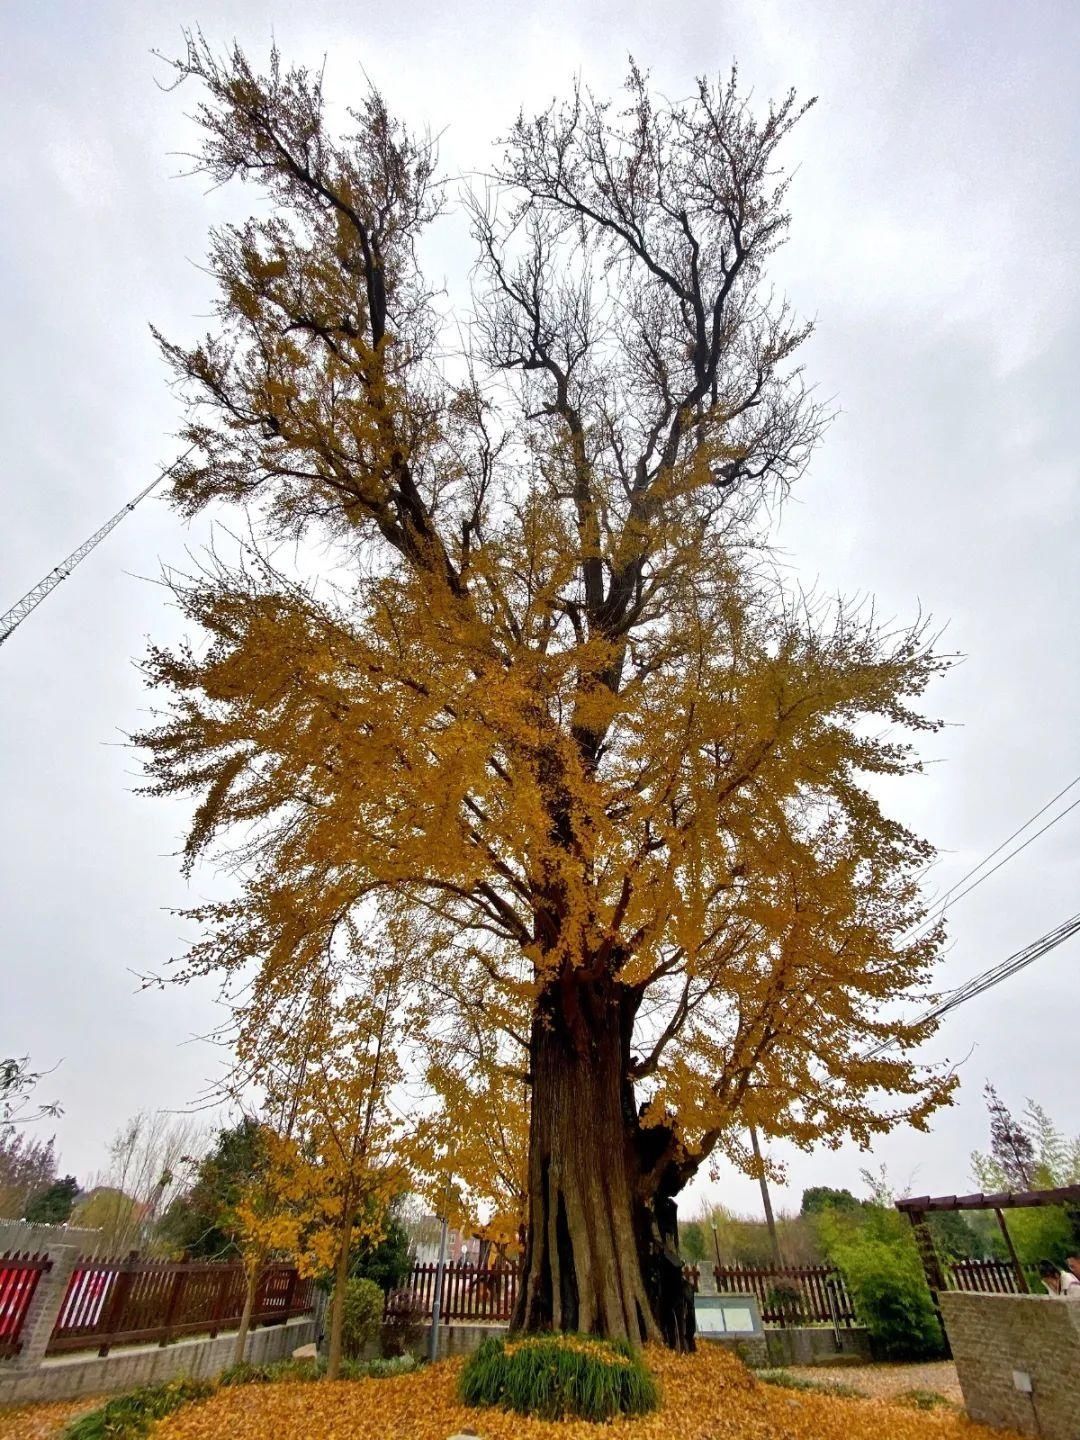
<point>596,1260</point>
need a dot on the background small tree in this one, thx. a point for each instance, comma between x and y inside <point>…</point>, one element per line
<point>1012,1150</point>
<point>269,1215</point>
<point>127,1199</point>
<point>823,1197</point>
<point>1029,1152</point>
<point>53,1205</point>
<point>327,1070</point>
<point>694,1241</point>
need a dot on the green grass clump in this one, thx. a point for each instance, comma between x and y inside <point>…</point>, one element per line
<point>307,1370</point>
<point>921,1399</point>
<point>554,1376</point>
<point>787,1381</point>
<point>245,1374</point>
<point>130,1416</point>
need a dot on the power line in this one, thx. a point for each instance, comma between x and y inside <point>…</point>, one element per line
<point>13,618</point>
<point>941,905</point>
<point>994,976</point>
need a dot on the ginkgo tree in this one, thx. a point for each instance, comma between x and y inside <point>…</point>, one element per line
<point>552,708</point>
<point>331,1159</point>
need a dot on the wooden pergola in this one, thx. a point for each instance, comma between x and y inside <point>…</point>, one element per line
<point>919,1207</point>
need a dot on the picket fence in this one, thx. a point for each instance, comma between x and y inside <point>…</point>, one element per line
<point>133,1301</point>
<point>991,1277</point>
<point>468,1292</point>
<point>791,1294</point>
<point>19,1276</point>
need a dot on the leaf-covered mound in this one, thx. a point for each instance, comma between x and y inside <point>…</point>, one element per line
<point>709,1394</point>
<point>555,1376</point>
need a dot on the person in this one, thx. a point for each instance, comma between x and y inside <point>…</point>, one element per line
<point>1065,1285</point>
<point>1073,1264</point>
<point>1050,1276</point>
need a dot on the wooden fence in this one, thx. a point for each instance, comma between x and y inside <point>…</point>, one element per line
<point>132,1301</point>
<point>483,1296</point>
<point>791,1294</point>
<point>19,1276</point>
<point>991,1277</point>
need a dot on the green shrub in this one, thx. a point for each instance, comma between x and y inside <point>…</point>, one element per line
<point>394,1365</point>
<point>362,1316</point>
<point>375,1369</point>
<point>891,1299</point>
<point>553,1376</point>
<point>128,1417</point>
<point>875,1252</point>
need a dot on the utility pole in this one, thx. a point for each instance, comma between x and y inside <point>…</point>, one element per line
<point>770,1220</point>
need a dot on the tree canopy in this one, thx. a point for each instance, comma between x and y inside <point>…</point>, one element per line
<point>551,717</point>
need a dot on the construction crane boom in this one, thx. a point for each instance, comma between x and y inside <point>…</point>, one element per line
<point>13,618</point>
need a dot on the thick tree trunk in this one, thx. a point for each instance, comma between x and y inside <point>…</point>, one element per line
<point>595,1257</point>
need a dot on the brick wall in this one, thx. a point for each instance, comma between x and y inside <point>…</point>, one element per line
<point>1038,1336</point>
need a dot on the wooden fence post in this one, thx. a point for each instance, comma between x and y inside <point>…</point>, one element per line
<point>124,1277</point>
<point>179,1282</point>
<point>224,1278</point>
<point>290,1291</point>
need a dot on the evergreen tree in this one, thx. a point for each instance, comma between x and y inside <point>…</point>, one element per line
<point>53,1206</point>
<point>200,1222</point>
<point>1013,1148</point>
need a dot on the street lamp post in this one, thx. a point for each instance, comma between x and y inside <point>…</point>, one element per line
<point>436,1304</point>
<point>440,1270</point>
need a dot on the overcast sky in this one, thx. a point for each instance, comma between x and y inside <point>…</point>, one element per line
<point>936,214</point>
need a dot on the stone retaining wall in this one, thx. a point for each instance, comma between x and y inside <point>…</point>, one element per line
<point>1018,1359</point>
<point>21,1236</point>
<point>67,1377</point>
<point>816,1345</point>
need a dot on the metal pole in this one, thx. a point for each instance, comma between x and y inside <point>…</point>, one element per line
<point>436,1304</point>
<point>769,1220</point>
